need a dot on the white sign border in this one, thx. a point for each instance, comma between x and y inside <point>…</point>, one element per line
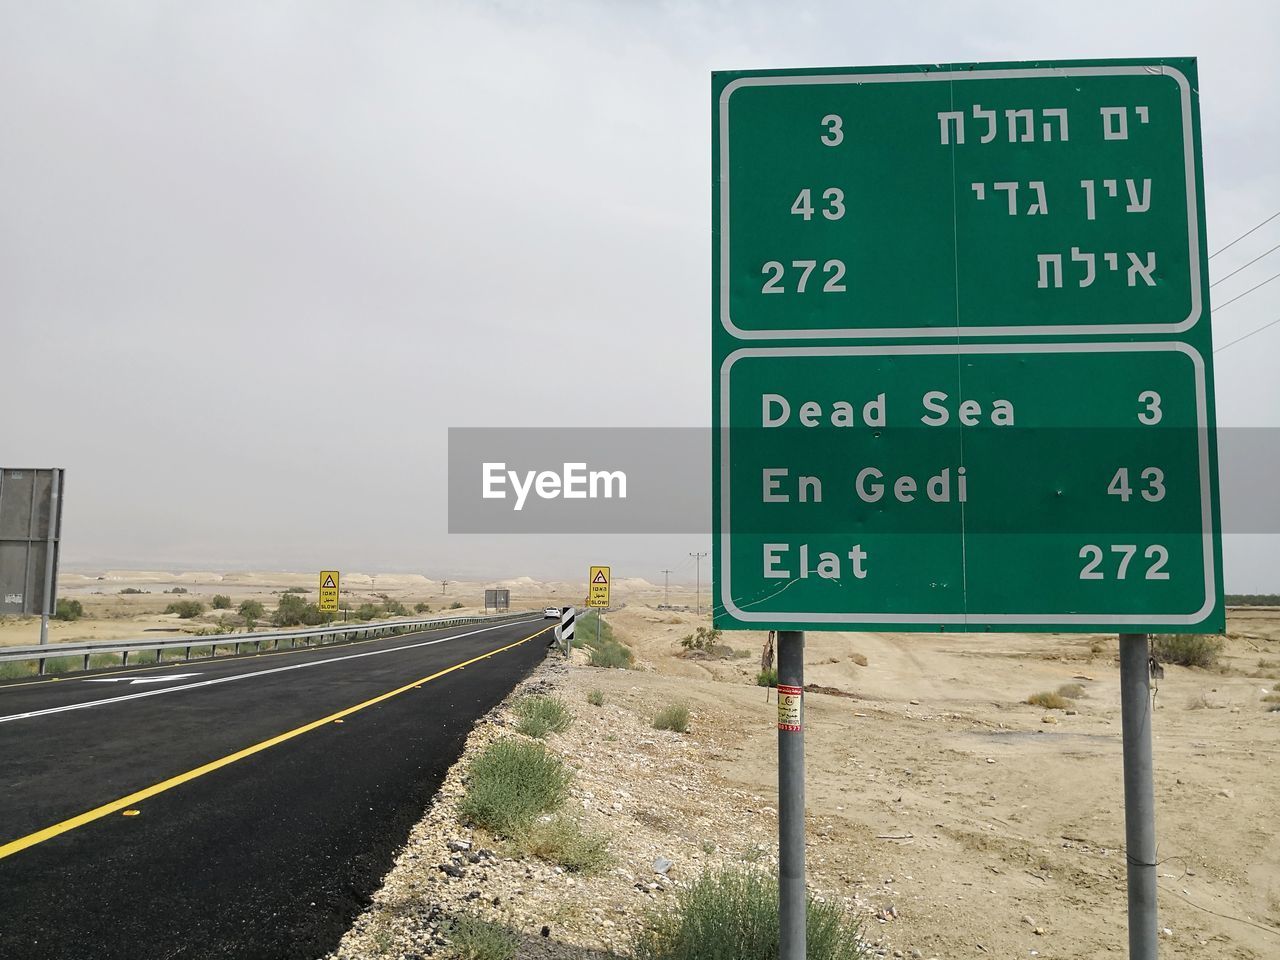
<point>966,619</point>
<point>1193,204</point>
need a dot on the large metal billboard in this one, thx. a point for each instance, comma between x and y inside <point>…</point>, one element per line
<point>30,534</point>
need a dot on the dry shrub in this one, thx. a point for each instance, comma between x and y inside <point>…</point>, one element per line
<point>1050,701</point>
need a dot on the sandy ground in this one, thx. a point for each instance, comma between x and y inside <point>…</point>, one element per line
<point>936,781</point>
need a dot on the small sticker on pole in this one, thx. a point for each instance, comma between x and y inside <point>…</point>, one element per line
<point>329,580</point>
<point>790,707</point>
<point>598,594</point>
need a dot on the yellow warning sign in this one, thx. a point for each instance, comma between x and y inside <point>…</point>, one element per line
<point>329,580</point>
<point>598,594</point>
<point>790,700</point>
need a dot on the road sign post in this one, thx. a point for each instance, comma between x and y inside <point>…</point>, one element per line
<point>564,632</point>
<point>1139,795</point>
<point>962,362</point>
<point>791,883</point>
<point>50,591</point>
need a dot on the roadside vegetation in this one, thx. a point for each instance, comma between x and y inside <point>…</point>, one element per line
<point>596,698</point>
<point>185,609</point>
<point>536,716</point>
<point>561,840</point>
<point>293,611</point>
<point>732,914</point>
<point>674,716</point>
<point>1187,649</point>
<point>511,783</point>
<point>220,601</point>
<point>515,790</point>
<point>68,610</point>
<point>472,938</point>
<point>767,678</point>
<point>608,650</point>
<point>1049,700</point>
<point>1253,599</point>
<point>1061,699</point>
<point>706,640</point>
<point>251,611</point>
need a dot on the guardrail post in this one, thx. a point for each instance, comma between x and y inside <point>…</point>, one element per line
<point>186,655</point>
<point>40,667</point>
<point>86,661</point>
<point>124,658</point>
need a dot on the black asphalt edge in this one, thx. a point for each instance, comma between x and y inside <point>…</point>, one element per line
<point>545,678</point>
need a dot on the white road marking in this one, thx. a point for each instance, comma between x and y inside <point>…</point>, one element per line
<point>135,680</point>
<point>241,676</point>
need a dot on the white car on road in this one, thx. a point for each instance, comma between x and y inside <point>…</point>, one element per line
<point>551,613</point>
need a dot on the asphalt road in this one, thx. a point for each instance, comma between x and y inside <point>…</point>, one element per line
<point>271,792</point>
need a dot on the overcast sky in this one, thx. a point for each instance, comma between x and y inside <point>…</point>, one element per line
<point>257,257</point>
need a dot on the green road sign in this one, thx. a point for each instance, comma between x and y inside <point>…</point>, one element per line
<point>961,342</point>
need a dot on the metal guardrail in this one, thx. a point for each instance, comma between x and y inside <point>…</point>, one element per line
<point>87,649</point>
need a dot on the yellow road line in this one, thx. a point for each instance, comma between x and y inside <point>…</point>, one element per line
<point>225,658</point>
<point>97,813</point>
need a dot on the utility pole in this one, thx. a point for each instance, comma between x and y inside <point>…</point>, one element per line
<point>698,557</point>
<point>444,586</point>
<point>666,588</point>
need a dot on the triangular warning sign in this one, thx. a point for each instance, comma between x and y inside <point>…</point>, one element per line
<point>600,577</point>
<point>328,582</point>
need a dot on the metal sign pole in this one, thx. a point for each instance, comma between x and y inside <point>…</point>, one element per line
<point>791,888</point>
<point>1139,795</point>
<point>49,598</point>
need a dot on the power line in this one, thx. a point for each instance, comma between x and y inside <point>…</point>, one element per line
<point>1219,306</point>
<point>1249,264</point>
<point>1247,335</point>
<point>1245,234</point>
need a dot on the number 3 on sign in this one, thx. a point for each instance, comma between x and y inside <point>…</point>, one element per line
<point>835,132</point>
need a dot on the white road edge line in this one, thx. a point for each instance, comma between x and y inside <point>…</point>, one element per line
<point>242,676</point>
